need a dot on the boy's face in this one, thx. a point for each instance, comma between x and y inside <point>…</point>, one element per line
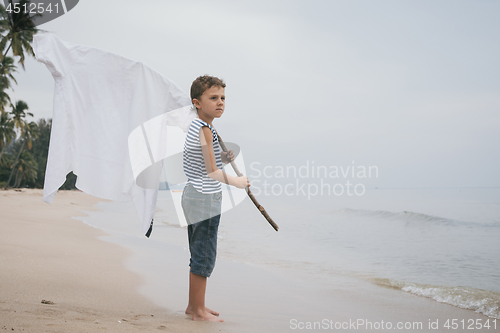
<point>211,103</point>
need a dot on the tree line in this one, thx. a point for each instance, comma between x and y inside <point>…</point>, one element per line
<point>24,144</point>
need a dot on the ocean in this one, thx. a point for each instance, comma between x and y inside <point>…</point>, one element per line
<point>441,243</point>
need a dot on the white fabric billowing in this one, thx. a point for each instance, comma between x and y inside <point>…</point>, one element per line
<point>102,102</point>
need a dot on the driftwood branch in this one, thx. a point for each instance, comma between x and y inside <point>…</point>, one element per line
<point>259,207</point>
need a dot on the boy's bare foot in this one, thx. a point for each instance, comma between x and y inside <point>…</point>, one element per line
<point>189,310</point>
<point>204,315</point>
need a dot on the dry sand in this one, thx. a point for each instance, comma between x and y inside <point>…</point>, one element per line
<point>47,255</point>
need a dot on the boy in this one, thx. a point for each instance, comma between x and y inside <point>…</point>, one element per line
<point>202,196</point>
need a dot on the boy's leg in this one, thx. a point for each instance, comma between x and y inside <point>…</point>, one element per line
<point>189,309</point>
<point>202,263</point>
<point>202,237</point>
<point>197,289</point>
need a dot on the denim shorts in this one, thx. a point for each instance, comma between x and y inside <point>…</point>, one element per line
<point>202,213</point>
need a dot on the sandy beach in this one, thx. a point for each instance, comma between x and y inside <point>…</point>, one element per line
<point>60,275</point>
<point>45,255</point>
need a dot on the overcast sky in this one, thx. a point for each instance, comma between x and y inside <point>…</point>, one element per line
<point>412,87</point>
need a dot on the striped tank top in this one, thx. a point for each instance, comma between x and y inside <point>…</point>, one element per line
<point>193,162</point>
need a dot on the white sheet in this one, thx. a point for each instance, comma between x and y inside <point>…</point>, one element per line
<point>101,103</point>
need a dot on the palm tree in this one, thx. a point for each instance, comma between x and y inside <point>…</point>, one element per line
<point>4,98</point>
<point>26,168</point>
<point>7,133</point>
<point>7,67</point>
<point>40,150</point>
<point>20,30</point>
<point>28,131</point>
<point>19,113</point>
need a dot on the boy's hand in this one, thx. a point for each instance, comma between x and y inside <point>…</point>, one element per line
<point>242,182</point>
<point>227,157</point>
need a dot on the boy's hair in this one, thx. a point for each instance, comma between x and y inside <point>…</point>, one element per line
<point>203,83</point>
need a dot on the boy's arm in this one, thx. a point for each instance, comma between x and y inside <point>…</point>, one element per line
<point>211,166</point>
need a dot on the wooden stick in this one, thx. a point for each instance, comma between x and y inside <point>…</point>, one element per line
<point>247,189</point>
